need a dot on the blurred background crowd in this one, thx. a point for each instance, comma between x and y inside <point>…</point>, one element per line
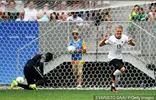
<point>56,11</point>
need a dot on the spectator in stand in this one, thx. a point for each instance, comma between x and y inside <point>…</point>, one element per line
<point>5,17</point>
<point>107,17</point>
<point>142,15</point>
<point>61,5</point>
<point>21,16</point>
<point>11,10</point>
<point>134,15</point>
<point>1,7</point>
<point>2,11</point>
<point>44,14</point>
<point>4,2</point>
<point>1,16</point>
<point>26,5</point>
<point>11,7</point>
<point>86,4</point>
<point>30,12</point>
<point>152,13</point>
<point>63,16</point>
<point>75,18</point>
<point>54,18</point>
<point>69,4</point>
<point>76,4</point>
<point>70,14</point>
<point>58,6</point>
<point>64,4</point>
<point>58,18</point>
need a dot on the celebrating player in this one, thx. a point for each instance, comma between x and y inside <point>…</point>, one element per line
<point>116,42</point>
<point>33,71</point>
<point>77,57</point>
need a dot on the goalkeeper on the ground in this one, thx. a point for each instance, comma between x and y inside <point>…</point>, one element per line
<point>33,72</point>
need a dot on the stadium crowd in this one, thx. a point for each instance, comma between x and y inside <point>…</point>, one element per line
<point>143,14</point>
<point>8,11</point>
<point>45,12</point>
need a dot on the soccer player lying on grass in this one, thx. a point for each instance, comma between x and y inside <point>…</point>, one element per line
<point>116,43</point>
<point>33,72</point>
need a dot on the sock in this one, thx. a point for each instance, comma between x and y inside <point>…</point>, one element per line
<point>117,72</point>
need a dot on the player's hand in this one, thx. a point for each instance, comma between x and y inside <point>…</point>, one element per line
<point>130,41</point>
<point>78,51</point>
<point>106,37</point>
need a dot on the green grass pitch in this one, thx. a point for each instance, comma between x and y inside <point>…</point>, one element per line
<point>69,94</point>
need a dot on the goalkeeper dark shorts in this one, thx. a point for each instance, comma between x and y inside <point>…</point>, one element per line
<point>117,63</point>
<point>31,73</point>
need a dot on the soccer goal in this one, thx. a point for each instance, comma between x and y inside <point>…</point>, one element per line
<point>139,60</point>
<point>20,41</point>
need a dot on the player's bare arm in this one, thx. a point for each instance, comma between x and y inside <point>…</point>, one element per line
<point>131,42</point>
<point>102,42</point>
<point>80,51</point>
<point>84,48</point>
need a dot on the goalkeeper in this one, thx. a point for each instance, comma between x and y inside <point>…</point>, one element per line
<point>33,72</point>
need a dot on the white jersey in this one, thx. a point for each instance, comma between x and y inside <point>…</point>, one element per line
<point>116,46</point>
<point>79,20</point>
<point>30,14</point>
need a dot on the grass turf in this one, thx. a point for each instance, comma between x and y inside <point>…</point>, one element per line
<point>69,94</point>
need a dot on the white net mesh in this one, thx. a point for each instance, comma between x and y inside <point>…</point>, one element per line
<point>96,72</point>
<point>54,36</point>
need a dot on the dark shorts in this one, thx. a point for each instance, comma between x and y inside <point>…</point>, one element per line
<point>31,75</point>
<point>117,63</point>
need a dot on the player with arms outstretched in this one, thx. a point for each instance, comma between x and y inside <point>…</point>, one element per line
<point>33,71</point>
<point>116,43</point>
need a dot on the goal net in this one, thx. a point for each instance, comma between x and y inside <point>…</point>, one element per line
<point>139,60</point>
<point>55,37</point>
<point>21,40</point>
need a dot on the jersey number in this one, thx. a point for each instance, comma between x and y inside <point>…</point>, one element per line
<point>118,46</point>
